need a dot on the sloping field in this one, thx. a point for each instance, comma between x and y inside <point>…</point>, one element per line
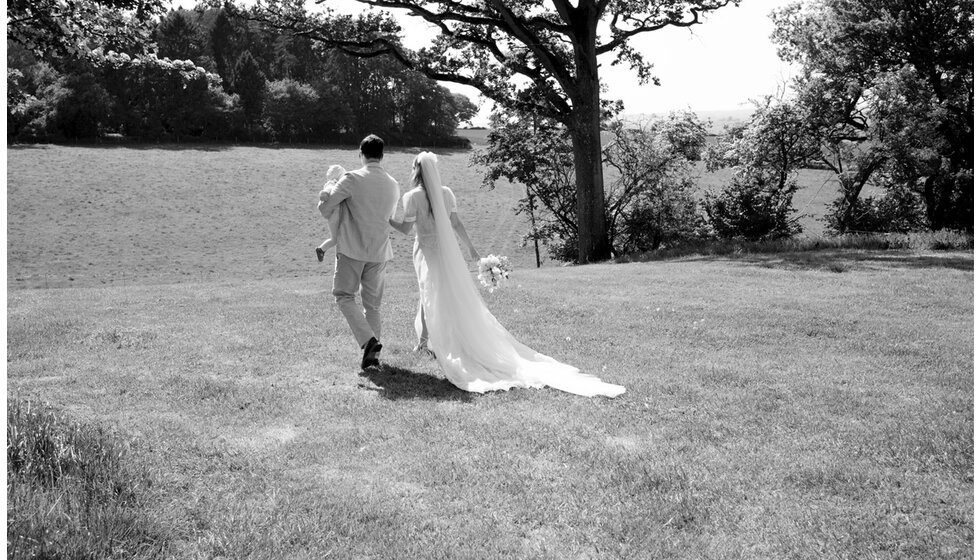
<point>120,215</point>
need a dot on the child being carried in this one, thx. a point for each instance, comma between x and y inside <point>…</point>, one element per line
<point>334,173</point>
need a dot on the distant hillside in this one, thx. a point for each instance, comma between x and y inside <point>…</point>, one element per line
<point>718,118</point>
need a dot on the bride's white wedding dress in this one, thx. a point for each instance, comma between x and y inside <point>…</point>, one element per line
<point>475,351</point>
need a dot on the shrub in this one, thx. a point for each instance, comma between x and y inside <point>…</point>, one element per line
<point>753,210</point>
<point>661,218</point>
<point>765,154</point>
<point>897,212</point>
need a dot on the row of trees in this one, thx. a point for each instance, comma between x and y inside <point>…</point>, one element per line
<point>214,73</point>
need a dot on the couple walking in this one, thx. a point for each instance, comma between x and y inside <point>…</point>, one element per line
<point>474,350</point>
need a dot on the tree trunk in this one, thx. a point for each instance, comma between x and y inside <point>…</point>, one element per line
<point>583,124</point>
<point>593,242</point>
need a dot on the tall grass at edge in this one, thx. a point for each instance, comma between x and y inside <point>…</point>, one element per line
<point>918,241</point>
<point>73,492</point>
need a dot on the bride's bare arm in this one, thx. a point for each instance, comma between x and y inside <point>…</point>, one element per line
<point>400,224</point>
<point>461,232</point>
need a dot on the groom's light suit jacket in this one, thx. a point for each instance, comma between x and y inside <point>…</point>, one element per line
<point>366,198</point>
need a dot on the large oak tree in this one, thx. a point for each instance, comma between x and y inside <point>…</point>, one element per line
<point>537,57</point>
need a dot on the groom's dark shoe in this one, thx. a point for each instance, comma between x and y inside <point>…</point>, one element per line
<point>319,254</point>
<point>371,349</point>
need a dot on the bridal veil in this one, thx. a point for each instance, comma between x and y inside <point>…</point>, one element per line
<point>475,351</point>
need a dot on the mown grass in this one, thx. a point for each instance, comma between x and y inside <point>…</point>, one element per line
<point>773,410</point>
<point>801,404</point>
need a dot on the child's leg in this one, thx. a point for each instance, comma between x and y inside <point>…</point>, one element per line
<point>321,250</point>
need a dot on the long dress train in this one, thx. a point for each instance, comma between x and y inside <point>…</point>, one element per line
<point>474,350</point>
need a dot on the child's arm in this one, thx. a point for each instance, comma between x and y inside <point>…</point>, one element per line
<point>331,196</point>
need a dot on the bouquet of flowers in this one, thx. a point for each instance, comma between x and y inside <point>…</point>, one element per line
<point>494,271</point>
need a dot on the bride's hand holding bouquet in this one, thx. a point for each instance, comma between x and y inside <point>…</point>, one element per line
<point>494,271</point>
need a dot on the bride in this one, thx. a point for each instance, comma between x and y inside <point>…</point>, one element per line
<point>474,350</point>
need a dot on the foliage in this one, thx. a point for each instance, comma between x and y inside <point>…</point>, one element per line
<point>70,29</point>
<point>751,209</point>
<point>178,37</point>
<point>72,492</point>
<point>648,203</point>
<point>82,105</point>
<point>32,96</point>
<point>765,154</point>
<point>888,87</point>
<point>160,98</point>
<point>896,211</point>
<point>651,201</point>
<point>800,247</point>
<point>290,110</point>
<point>248,82</point>
<point>228,38</point>
<point>540,158</point>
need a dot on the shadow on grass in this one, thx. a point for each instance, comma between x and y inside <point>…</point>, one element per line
<point>850,260</point>
<point>395,383</point>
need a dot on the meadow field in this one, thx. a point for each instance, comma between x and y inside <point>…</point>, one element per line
<point>168,299</point>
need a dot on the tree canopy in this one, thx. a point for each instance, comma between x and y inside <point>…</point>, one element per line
<point>71,28</point>
<point>887,87</point>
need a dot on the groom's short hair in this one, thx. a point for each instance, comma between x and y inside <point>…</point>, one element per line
<point>373,147</point>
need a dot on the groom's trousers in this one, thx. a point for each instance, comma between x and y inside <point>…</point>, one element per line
<point>349,277</point>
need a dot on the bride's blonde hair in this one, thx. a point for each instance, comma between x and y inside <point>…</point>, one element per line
<point>416,180</point>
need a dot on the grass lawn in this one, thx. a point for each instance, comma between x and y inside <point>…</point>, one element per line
<point>778,406</point>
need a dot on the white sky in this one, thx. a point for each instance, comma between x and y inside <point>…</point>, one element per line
<point>716,66</point>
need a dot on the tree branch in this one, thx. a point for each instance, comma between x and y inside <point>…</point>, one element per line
<point>650,23</point>
<point>534,44</point>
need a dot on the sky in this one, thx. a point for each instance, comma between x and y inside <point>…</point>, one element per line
<point>718,65</point>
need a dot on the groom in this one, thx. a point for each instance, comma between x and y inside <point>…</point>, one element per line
<point>367,198</point>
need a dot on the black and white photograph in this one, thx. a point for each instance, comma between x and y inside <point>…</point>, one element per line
<point>490,279</point>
